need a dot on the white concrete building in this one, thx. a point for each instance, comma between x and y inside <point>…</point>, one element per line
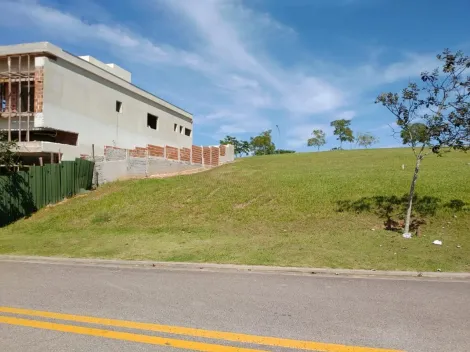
<point>54,101</point>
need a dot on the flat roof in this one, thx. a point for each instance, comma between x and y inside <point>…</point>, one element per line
<point>48,49</point>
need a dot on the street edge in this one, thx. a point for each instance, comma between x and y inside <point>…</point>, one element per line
<point>231,267</point>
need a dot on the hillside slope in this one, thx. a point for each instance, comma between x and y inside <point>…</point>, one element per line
<point>280,210</point>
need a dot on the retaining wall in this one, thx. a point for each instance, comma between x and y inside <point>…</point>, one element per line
<point>118,163</point>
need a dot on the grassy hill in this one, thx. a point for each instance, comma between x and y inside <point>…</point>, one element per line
<point>274,210</point>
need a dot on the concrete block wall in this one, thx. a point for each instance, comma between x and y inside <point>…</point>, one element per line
<point>114,154</point>
<point>120,163</point>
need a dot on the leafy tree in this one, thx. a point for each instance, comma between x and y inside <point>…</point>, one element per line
<point>240,147</point>
<point>8,157</point>
<point>343,131</point>
<point>366,139</point>
<point>433,115</point>
<point>262,144</point>
<point>245,147</point>
<point>414,134</point>
<point>318,139</point>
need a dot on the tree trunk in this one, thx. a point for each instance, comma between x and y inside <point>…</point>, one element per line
<point>412,192</point>
<point>318,148</point>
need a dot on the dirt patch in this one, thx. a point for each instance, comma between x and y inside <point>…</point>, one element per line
<point>186,172</point>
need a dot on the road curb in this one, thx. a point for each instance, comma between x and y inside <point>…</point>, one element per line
<point>231,268</point>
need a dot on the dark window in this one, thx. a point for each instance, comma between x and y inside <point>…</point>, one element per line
<point>175,127</point>
<point>24,97</point>
<point>118,106</point>
<point>152,121</point>
<point>187,132</point>
<point>181,129</point>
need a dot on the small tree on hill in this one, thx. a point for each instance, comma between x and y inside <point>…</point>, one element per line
<point>318,139</point>
<point>245,147</point>
<point>434,115</point>
<point>366,139</point>
<point>343,131</point>
<point>262,144</point>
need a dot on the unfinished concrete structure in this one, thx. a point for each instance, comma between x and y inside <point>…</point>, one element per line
<point>58,105</point>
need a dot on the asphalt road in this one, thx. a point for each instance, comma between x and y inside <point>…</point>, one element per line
<point>415,315</point>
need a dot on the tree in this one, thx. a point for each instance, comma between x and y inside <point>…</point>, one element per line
<point>245,147</point>
<point>366,139</point>
<point>435,115</point>
<point>262,144</point>
<point>240,147</point>
<point>8,157</point>
<point>415,133</point>
<point>318,139</point>
<point>343,131</point>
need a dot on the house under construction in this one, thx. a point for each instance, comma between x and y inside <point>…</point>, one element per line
<point>58,105</point>
<point>19,79</point>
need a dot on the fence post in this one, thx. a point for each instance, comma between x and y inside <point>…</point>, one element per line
<point>94,164</point>
<point>147,162</point>
<point>202,155</point>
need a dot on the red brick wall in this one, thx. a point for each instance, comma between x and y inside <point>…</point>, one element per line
<point>171,153</point>
<point>214,156</point>
<point>222,150</point>
<point>185,154</point>
<point>138,152</point>
<point>206,153</point>
<point>155,150</point>
<point>197,155</point>
<point>38,89</point>
<point>209,156</point>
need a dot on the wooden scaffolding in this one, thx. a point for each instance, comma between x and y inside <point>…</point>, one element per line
<point>17,92</point>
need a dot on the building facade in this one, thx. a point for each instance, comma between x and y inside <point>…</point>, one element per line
<point>58,105</point>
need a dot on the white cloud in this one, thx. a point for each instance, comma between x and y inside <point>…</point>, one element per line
<point>218,25</point>
<point>408,67</point>
<point>347,115</point>
<point>387,127</point>
<point>68,28</point>
<point>411,66</point>
<point>297,136</point>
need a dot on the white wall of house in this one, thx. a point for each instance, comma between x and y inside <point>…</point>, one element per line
<point>80,101</point>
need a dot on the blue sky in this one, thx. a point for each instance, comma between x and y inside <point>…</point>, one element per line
<point>243,66</point>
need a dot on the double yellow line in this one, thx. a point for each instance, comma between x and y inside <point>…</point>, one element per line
<point>163,341</point>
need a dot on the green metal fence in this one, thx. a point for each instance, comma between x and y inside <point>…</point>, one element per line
<point>24,192</point>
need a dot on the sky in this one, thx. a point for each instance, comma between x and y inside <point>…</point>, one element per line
<point>245,66</point>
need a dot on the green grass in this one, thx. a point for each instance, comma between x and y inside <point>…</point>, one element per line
<point>273,210</point>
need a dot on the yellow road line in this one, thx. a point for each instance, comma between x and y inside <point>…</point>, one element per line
<point>125,336</point>
<point>228,336</point>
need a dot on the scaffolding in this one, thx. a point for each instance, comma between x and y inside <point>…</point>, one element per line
<point>17,92</point>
